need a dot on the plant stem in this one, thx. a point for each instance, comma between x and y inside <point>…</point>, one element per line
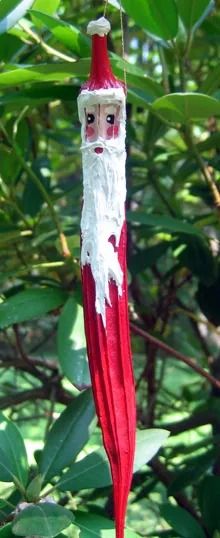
<point>35,179</point>
<point>50,50</point>
<point>175,353</point>
<point>188,44</point>
<point>166,84</point>
<point>203,167</point>
<point>11,202</point>
<point>182,75</point>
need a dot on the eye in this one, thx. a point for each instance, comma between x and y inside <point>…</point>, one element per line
<point>90,119</point>
<point>110,119</point>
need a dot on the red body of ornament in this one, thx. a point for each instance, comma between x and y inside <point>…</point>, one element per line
<point>104,273</point>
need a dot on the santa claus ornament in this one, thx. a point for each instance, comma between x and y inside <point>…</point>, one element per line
<point>102,114</point>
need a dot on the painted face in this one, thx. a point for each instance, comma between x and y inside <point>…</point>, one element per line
<point>102,121</point>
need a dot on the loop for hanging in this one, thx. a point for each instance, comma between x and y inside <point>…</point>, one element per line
<point>105,8</point>
<point>122,36</point>
<point>123,44</point>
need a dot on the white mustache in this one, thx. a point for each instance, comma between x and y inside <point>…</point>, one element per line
<point>107,145</point>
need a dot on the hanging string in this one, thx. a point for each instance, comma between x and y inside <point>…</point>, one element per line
<point>105,8</point>
<point>122,36</point>
<point>123,44</point>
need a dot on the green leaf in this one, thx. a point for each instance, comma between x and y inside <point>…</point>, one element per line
<point>67,34</point>
<point>68,435</point>
<point>154,129</point>
<point>197,256</point>
<point>208,299</point>
<point>186,107</point>
<point>150,87</point>
<point>8,237</point>
<point>148,443</point>
<point>163,223</point>
<point>96,525</point>
<point>13,457</point>
<point>30,304</point>
<point>6,505</point>
<point>72,345</point>
<point>142,90</point>
<point>192,472</point>
<point>39,94</point>
<point>44,73</point>
<point>181,521</point>
<point>90,472</point>
<point>192,10</point>
<point>10,167</point>
<point>115,3</point>
<point>158,18</point>
<point>11,11</point>
<point>201,190</point>
<point>6,531</point>
<point>139,98</point>
<point>211,82</point>
<point>9,46</point>
<point>209,502</point>
<point>34,488</point>
<point>93,471</point>
<point>137,78</point>
<point>119,64</point>
<point>147,257</point>
<point>50,6</point>
<point>32,199</point>
<point>57,72</point>
<point>43,520</point>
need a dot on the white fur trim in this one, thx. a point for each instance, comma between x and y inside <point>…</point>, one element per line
<point>109,96</point>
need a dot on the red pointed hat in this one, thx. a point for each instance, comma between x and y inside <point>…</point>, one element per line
<point>101,76</point>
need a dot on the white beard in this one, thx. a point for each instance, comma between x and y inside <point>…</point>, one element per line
<point>103,215</point>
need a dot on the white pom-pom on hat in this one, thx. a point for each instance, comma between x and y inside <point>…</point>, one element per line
<point>99,27</point>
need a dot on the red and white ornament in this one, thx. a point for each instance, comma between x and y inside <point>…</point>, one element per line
<point>102,113</point>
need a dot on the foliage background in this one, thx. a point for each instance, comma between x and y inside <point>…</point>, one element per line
<point>173,147</point>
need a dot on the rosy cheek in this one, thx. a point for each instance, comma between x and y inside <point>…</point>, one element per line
<point>112,131</point>
<point>89,131</point>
